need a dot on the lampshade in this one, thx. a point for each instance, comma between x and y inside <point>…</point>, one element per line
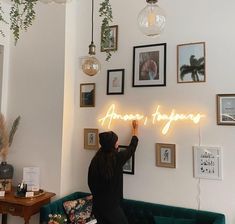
<point>90,64</point>
<point>151,19</point>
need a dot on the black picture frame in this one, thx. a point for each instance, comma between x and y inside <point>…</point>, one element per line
<point>149,65</point>
<point>115,81</point>
<point>129,166</point>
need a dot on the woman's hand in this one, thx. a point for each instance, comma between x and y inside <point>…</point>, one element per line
<point>135,127</point>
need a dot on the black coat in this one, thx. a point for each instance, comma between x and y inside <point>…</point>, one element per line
<point>107,193</point>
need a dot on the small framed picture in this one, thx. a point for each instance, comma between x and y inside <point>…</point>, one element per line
<point>149,65</point>
<point>129,167</point>
<point>112,44</point>
<point>87,95</point>
<point>191,62</point>
<point>225,109</point>
<point>115,81</point>
<point>165,155</point>
<point>91,138</point>
<point>207,162</point>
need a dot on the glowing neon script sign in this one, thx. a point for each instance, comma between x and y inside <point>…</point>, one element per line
<point>157,116</point>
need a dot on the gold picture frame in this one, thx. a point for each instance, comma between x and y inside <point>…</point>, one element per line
<point>87,95</point>
<point>165,155</point>
<point>91,138</point>
<point>112,44</point>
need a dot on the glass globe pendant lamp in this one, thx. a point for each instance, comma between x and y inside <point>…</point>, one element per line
<point>151,19</point>
<point>90,64</point>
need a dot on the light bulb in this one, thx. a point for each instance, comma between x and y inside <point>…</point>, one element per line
<point>90,65</point>
<point>151,19</point>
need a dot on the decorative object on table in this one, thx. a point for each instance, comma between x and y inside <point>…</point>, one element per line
<point>5,185</point>
<point>31,176</point>
<point>91,138</point>
<point>57,219</point>
<point>21,189</point>
<point>225,109</point>
<point>115,81</point>
<point>191,62</point>
<point>6,170</point>
<point>129,166</point>
<point>165,155</point>
<point>207,162</point>
<point>90,64</point>
<point>149,65</point>
<point>112,42</point>
<point>151,19</point>
<point>87,95</point>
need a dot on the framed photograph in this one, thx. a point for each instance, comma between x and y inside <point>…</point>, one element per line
<point>115,81</point>
<point>207,162</point>
<point>112,44</point>
<point>87,95</point>
<point>191,62</point>
<point>91,138</point>
<point>149,65</point>
<point>225,109</point>
<point>165,155</point>
<point>129,167</point>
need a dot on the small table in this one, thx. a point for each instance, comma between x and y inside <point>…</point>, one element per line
<point>23,207</point>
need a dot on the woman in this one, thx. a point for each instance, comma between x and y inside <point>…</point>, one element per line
<point>105,177</point>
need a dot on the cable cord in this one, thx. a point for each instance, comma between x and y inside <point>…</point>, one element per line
<point>199,179</point>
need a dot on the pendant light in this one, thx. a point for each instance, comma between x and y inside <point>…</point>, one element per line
<point>151,19</point>
<point>90,64</point>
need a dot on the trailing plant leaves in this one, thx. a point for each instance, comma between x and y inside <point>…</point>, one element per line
<point>2,20</point>
<point>106,13</point>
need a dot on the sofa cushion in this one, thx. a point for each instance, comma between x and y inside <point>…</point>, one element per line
<point>79,210</point>
<point>172,220</point>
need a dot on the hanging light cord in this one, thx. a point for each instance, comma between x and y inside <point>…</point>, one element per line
<point>92,20</point>
<point>199,179</point>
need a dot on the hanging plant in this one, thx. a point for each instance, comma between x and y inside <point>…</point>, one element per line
<point>2,20</point>
<point>107,15</point>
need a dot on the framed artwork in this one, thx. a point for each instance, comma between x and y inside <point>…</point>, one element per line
<point>115,81</point>
<point>225,109</point>
<point>112,44</point>
<point>91,138</point>
<point>207,162</point>
<point>129,166</point>
<point>149,65</point>
<point>165,155</point>
<point>87,95</point>
<point>191,62</point>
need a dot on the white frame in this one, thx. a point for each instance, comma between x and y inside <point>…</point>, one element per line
<point>207,162</point>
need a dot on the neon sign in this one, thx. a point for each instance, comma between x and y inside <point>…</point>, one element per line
<point>157,116</point>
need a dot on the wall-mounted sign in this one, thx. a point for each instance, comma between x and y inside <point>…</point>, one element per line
<point>155,117</point>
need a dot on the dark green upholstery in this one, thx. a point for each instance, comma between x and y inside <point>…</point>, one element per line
<point>139,212</point>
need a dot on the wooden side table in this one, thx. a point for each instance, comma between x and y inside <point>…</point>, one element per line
<point>23,207</point>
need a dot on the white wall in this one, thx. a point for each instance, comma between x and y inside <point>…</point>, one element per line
<point>187,21</point>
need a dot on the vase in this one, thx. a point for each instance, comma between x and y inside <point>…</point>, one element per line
<point>6,170</point>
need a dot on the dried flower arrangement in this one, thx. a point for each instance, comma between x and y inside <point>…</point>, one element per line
<point>5,138</point>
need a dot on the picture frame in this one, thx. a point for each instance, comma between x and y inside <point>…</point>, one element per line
<point>165,155</point>
<point>129,166</point>
<point>91,138</point>
<point>87,95</point>
<point>112,44</point>
<point>149,65</point>
<point>191,62</point>
<point>225,104</point>
<point>207,162</point>
<point>115,81</point>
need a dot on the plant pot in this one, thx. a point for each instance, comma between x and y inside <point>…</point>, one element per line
<point>6,170</point>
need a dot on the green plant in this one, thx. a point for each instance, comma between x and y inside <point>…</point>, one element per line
<point>2,20</point>
<point>6,138</point>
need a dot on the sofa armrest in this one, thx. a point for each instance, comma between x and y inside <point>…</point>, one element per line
<point>220,219</point>
<point>56,207</point>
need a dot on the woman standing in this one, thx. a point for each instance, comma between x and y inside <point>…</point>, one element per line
<point>105,177</point>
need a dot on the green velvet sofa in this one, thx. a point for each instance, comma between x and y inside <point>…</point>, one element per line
<point>139,212</point>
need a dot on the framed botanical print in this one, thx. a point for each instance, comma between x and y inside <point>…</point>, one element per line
<point>115,81</point>
<point>91,138</point>
<point>87,95</point>
<point>129,166</point>
<point>191,62</point>
<point>165,155</point>
<point>149,65</point>
<point>225,109</point>
<point>112,44</point>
